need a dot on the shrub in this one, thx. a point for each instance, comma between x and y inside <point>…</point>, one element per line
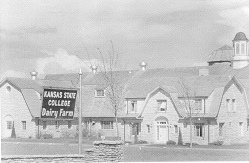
<point>141,142</point>
<point>13,132</point>
<point>193,144</point>
<point>171,142</point>
<point>218,142</point>
<point>66,134</point>
<point>180,137</point>
<point>46,136</point>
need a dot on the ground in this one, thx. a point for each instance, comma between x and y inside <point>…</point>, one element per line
<point>132,153</point>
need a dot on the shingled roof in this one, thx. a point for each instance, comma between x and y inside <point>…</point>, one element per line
<point>33,102</point>
<point>240,36</point>
<point>223,54</point>
<point>196,85</point>
<point>31,90</point>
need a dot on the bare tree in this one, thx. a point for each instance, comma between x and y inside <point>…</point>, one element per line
<point>189,96</point>
<point>108,65</point>
<point>109,77</point>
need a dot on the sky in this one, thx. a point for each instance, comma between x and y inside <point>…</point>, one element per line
<point>60,36</point>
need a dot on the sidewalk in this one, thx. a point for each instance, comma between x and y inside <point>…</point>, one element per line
<point>243,147</point>
<point>46,141</point>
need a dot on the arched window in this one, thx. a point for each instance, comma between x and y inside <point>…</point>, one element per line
<point>8,88</point>
<point>237,48</point>
<point>242,48</point>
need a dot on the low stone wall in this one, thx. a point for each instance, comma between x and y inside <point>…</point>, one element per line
<point>43,158</point>
<point>105,151</point>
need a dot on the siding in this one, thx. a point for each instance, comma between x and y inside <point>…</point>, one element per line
<point>150,114</point>
<point>232,119</point>
<point>13,103</point>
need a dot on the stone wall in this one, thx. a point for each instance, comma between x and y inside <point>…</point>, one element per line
<point>42,158</point>
<point>105,151</point>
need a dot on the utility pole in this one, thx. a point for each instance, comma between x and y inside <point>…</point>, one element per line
<point>80,115</point>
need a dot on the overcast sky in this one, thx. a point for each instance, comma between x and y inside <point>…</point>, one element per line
<point>46,35</point>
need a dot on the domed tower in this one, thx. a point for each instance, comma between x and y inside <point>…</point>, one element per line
<point>240,51</point>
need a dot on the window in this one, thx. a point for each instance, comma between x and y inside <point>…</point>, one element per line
<point>44,125</point>
<point>242,48</point>
<point>100,93</point>
<point>161,105</point>
<point>8,88</point>
<point>241,128</point>
<point>237,48</point>
<point>228,105</point>
<point>233,105</point>
<point>221,129</point>
<point>148,128</point>
<point>24,125</point>
<point>69,125</point>
<point>198,104</point>
<point>57,124</point>
<point>134,106</point>
<point>135,128</point>
<point>199,129</point>
<point>106,124</point>
<point>247,124</point>
<point>9,124</point>
<point>176,129</point>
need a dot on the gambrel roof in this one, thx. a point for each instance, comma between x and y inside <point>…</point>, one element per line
<point>32,90</point>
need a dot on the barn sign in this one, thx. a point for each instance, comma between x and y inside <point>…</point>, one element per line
<point>58,104</point>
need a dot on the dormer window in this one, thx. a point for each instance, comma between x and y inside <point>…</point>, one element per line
<point>134,106</point>
<point>162,105</point>
<point>198,104</point>
<point>100,93</point>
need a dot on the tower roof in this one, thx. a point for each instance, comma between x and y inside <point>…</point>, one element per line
<point>240,36</point>
<point>223,54</point>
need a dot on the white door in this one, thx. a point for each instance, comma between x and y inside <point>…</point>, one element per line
<point>162,132</point>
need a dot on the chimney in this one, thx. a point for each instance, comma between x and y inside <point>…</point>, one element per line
<point>143,65</point>
<point>203,72</point>
<point>94,68</point>
<point>33,75</point>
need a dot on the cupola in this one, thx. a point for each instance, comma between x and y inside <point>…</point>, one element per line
<point>94,68</point>
<point>143,65</point>
<point>33,75</point>
<point>240,51</point>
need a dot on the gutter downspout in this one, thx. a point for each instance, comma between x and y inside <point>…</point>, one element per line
<point>208,132</point>
<point>124,130</point>
<point>38,128</point>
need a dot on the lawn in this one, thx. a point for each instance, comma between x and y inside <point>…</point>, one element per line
<point>52,140</point>
<point>132,153</point>
<point>157,154</point>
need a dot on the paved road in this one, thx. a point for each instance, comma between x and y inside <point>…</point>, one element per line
<point>134,153</point>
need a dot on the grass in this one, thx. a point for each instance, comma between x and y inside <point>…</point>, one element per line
<point>233,146</point>
<point>132,153</point>
<point>136,154</point>
<point>52,140</point>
